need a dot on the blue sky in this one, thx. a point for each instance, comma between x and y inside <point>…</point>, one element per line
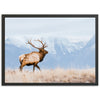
<point>19,30</point>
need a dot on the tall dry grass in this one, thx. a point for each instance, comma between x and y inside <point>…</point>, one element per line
<point>51,76</point>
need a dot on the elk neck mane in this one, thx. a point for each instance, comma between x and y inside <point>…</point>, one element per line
<point>42,55</point>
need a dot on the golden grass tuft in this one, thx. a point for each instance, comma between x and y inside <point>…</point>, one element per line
<point>57,75</point>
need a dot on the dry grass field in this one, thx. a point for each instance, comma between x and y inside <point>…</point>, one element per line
<point>51,76</point>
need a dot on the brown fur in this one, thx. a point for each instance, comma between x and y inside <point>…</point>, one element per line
<point>33,58</point>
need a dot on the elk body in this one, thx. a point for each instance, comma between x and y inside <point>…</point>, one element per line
<point>33,58</point>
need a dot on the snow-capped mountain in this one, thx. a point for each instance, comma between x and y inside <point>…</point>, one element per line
<point>51,42</point>
<point>62,53</point>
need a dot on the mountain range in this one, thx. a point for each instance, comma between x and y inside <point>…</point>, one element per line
<point>62,54</point>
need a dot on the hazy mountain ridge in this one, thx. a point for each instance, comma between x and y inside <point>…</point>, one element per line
<point>51,42</point>
<point>65,54</point>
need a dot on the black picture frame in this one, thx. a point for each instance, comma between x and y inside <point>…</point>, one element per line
<point>51,16</point>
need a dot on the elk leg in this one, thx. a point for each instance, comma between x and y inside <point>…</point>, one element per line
<point>33,68</point>
<point>21,67</point>
<point>38,67</point>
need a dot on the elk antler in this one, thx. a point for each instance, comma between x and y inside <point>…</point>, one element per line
<point>43,44</point>
<point>29,42</point>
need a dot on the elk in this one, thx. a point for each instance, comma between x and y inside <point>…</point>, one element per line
<point>34,57</point>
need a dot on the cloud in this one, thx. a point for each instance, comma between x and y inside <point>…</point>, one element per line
<point>71,26</point>
<point>19,30</point>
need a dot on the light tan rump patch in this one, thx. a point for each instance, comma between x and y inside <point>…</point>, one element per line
<point>21,57</point>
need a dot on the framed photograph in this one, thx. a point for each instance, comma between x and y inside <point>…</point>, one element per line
<point>50,50</point>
